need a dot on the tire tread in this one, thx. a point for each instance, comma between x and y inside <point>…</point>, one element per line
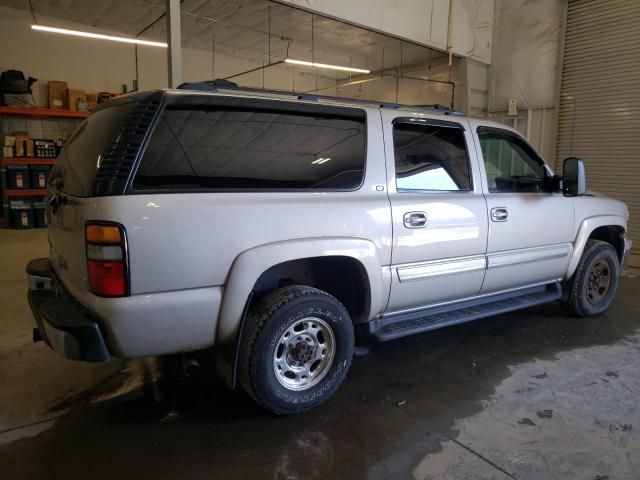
<point>259,315</point>
<point>574,300</point>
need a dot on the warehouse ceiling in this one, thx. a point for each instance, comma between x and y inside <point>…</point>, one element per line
<point>249,29</point>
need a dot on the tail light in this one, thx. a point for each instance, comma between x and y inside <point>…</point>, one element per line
<point>107,260</point>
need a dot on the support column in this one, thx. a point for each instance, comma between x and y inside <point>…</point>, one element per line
<point>174,40</point>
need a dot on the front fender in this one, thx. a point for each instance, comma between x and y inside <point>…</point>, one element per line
<point>587,226</point>
<point>250,264</point>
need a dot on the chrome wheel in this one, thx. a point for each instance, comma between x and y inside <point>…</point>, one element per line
<point>599,281</point>
<point>304,354</point>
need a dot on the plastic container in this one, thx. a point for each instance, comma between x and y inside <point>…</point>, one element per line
<point>39,175</point>
<point>40,214</point>
<point>20,214</point>
<point>18,176</point>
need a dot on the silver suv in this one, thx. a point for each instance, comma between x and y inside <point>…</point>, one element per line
<point>266,226</point>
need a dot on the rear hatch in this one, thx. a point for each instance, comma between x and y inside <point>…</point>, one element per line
<point>94,163</point>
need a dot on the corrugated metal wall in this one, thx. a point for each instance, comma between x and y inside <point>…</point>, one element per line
<point>599,116</point>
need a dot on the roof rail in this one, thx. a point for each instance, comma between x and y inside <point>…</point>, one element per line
<point>219,85</point>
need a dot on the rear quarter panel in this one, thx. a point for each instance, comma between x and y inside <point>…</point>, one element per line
<point>180,241</point>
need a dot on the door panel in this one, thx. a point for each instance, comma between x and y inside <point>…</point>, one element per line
<point>439,236</point>
<point>530,230</point>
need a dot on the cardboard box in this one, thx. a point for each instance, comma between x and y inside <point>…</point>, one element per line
<point>58,98</point>
<point>24,145</point>
<point>9,140</point>
<point>74,97</point>
<point>92,100</point>
<point>7,152</point>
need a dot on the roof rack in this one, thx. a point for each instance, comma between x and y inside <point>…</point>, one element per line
<point>220,85</point>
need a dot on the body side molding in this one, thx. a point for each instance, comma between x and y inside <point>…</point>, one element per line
<point>437,268</point>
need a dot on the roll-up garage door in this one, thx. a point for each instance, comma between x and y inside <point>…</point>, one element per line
<point>599,115</point>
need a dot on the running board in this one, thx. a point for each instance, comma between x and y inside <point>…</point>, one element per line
<point>396,326</point>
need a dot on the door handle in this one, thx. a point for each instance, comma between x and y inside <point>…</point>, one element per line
<point>499,214</point>
<point>415,219</point>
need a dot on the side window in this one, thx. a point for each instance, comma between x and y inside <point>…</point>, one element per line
<point>253,144</point>
<point>511,164</point>
<point>430,157</point>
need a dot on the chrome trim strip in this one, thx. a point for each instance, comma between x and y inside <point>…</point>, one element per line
<point>528,255</point>
<point>473,297</point>
<point>439,268</point>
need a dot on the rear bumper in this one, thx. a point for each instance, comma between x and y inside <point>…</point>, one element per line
<point>64,325</point>
<point>82,326</point>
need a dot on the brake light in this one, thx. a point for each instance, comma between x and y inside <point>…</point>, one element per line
<point>106,260</point>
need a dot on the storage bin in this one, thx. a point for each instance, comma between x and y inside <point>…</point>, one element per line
<point>18,176</point>
<point>40,214</point>
<point>39,175</point>
<point>20,214</point>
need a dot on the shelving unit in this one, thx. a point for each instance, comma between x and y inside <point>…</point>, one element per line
<point>22,119</point>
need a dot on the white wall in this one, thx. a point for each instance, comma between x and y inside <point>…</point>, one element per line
<point>525,66</point>
<point>526,45</point>
<point>422,21</point>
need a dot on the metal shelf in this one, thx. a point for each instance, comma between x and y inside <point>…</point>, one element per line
<point>27,161</point>
<point>42,112</point>
<point>26,192</point>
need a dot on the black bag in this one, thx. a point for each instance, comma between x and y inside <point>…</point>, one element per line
<point>13,81</point>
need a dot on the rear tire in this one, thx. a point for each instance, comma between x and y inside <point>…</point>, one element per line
<point>296,350</point>
<point>595,281</point>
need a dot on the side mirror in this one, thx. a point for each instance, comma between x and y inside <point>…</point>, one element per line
<point>573,178</point>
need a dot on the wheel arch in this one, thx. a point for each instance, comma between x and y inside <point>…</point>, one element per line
<point>254,265</point>
<point>251,274</point>
<point>608,228</point>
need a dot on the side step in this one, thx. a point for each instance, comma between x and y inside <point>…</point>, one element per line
<point>396,326</point>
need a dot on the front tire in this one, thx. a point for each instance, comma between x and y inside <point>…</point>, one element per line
<point>595,282</point>
<point>296,350</point>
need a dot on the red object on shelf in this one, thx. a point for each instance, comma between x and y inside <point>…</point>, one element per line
<point>27,192</point>
<point>28,161</point>
<point>42,112</point>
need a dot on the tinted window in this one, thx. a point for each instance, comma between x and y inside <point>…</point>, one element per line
<point>430,158</point>
<point>77,165</point>
<point>511,165</point>
<point>253,145</point>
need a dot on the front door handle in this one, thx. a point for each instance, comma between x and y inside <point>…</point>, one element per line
<point>499,214</point>
<point>415,219</point>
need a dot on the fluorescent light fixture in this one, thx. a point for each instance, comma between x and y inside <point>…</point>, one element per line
<point>325,65</point>
<point>320,161</point>
<point>99,36</point>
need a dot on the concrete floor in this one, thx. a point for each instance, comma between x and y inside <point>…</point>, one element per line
<point>531,395</point>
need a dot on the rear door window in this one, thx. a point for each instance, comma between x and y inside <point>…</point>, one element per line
<point>79,161</point>
<point>204,143</point>
<point>430,158</point>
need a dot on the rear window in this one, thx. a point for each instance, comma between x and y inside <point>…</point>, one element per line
<point>230,144</point>
<point>77,165</point>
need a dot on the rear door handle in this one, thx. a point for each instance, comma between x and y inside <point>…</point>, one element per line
<point>499,214</point>
<point>415,219</point>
